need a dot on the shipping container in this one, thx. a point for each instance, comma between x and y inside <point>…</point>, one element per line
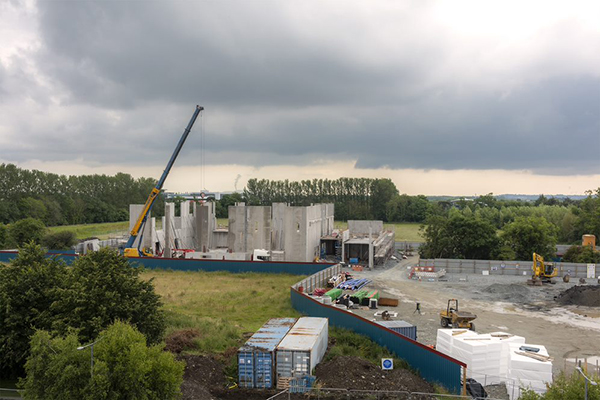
<point>303,347</point>
<point>402,327</point>
<point>256,359</point>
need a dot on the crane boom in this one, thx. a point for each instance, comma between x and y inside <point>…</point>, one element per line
<point>129,250</point>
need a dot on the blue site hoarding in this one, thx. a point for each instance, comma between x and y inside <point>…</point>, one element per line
<point>432,365</point>
<point>179,264</point>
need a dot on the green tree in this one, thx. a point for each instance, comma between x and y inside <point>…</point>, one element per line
<point>62,240</point>
<point>382,191</point>
<point>588,215</point>
<point>37,292</point>
<point>102,288</point>
<point>30,286</point>
<point>458,236</point>
<point>528,235</point>
<point>582,254</point>
<point>125,367</point>
<point>3,236</point>
<point>27,230</point>
<point>32,208</point>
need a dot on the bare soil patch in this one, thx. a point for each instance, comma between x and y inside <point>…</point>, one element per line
<point>357,373</point>
<point>581,295</point>
<point>181,340</point>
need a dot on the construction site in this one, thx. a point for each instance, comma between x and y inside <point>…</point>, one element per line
<point>257,233</point>
<point>488,329</point>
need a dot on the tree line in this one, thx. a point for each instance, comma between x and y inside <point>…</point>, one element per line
<point>491,229</point>
<point>66,200</point>
<point>354,198</point>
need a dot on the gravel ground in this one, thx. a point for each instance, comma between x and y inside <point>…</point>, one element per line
<point>501,303</point>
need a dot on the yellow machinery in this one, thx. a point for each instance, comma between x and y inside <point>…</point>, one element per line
<point>542,272</point>
<point>130,249</point>
<point>458,319</point>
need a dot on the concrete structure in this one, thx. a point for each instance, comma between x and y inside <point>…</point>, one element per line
<point>297,231</point>
<point>368,242</point>
<point>288,233</point>
<point>249,228</point>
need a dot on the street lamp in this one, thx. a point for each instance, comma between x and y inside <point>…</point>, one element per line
<point>91,346</point>
<point>586,381</point>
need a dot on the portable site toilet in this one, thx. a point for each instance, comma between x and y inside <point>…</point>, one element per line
<point>256,359</point>
<point>303,347</point>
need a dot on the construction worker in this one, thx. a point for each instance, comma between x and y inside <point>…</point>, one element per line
<point>418,308</point>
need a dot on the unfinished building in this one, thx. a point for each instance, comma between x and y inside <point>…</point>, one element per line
<point>285,233</point>
<point>368,243</point>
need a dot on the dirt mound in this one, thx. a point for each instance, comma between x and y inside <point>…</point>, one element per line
<point>356,373</point>
<point>581,296</point>
<point>510,292</point>
<point>201,374</point>
<point>179,341</point>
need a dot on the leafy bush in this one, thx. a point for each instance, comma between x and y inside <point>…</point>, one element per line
<point>62,240</point>
<point>27,230</point>
<point>37,292</point>
<point>582,254</point>
<point>3,236</point>
<point>566,388</point>
<point>103,287</point>
<point>29,286</point>
<point>124,367</point>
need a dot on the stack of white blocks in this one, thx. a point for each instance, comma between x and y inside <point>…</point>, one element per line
<point>525,372</point>
<point>491,359</point>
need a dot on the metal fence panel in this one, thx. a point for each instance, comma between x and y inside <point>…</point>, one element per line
<point>499,267</point>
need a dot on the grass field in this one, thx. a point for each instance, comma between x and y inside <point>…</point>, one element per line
<point>221,305</point>
<point>405,231</point>
<point>101,231</point>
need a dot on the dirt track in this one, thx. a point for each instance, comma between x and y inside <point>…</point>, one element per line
<point>501,303</point>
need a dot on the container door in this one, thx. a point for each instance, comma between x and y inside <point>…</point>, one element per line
<point>246,369</point>
<point>301,363</point>
<point>263,370</point>
<point>284,363</point>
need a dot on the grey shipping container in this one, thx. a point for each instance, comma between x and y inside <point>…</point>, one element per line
<point>402,327</point>
<point>256,359</point>
<point>303,347</point>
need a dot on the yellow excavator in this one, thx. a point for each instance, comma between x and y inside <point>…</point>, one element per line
<point>542,272</point>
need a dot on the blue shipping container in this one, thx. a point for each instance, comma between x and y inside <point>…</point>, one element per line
<point>402,327</point>
<point>256,359</point>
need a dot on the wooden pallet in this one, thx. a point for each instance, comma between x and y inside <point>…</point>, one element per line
<point>283,383</point>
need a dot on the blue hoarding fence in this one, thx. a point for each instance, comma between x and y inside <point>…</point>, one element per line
<point>431,364</point>
<point>180,264</point>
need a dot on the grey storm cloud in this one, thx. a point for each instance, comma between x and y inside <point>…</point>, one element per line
<point>284,83</point>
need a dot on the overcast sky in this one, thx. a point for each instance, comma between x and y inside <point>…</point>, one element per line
<point>449,97</point>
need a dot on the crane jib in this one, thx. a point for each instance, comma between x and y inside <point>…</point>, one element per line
<point>156,190</point>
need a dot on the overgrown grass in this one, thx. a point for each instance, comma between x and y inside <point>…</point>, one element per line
<point>101,231</point>
<point>223,306</point>
<point>349,343</point>
<point>405,231</point>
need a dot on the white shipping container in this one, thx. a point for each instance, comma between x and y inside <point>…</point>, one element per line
<point>303,347</point>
